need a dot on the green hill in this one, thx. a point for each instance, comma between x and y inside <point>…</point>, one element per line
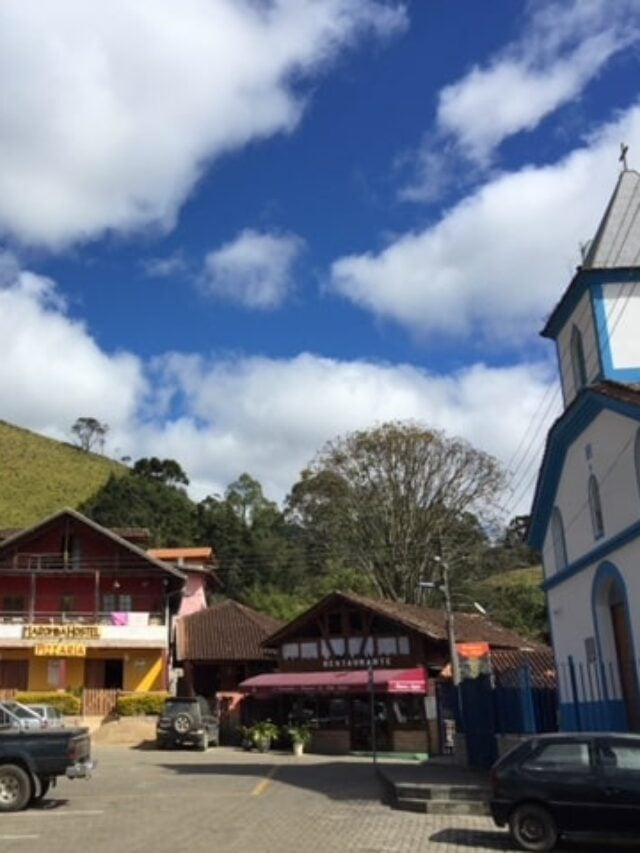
<point>39,476</point>
<point>531,576</point>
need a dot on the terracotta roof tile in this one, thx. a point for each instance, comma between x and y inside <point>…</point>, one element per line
<point>225,631</point>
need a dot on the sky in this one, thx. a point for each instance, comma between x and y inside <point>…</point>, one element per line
<point>236,229</point>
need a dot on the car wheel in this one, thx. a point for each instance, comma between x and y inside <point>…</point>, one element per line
<point>15,788</point>
<point>182,724</point>
<point>533,828</point>
<point>40,789</point>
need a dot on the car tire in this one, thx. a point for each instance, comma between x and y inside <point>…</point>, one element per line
<point>182,724</point>
<point>40,789</point>
<point>15,788</point>
<point>533,828</point>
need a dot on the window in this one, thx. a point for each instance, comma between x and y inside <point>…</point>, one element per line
<point>290,651</point>
<point>619,756</point>
<point>112,603</point>
<point>558,540</point>
<point>309,651</point>
<point>67,603</point>
<point>403,646</point>
<point>13,604</point>
<point>387,645</point>
<point>597,521</point>
<point>577,360</point>
<point>568,757</point>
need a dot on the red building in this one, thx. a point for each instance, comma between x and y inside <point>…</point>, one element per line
<point>82,606</point>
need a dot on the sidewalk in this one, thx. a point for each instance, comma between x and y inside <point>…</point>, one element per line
<point>440,770</point>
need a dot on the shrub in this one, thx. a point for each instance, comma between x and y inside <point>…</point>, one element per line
<point>66,703</point>
<point>138,704</point>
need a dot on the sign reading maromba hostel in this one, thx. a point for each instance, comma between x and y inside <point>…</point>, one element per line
<point>62,632</point>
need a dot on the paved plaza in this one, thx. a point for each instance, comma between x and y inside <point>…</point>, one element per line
<point>229,801</point>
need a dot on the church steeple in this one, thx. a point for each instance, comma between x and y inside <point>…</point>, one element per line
<point>596,324</point>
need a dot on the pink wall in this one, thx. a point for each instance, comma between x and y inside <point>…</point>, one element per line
<point>194,598</point>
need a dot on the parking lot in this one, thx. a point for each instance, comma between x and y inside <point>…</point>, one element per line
<point>229,800</point>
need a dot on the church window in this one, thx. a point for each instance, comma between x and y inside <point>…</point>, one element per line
<point>597,519</point>
<point>558,540</point>
<point>577,360</point>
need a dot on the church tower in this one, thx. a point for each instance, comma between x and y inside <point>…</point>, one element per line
<point>596,324</point>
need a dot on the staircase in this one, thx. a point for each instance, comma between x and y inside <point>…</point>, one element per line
<point>441,799</point>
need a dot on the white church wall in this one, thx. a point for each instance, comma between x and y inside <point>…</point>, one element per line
<point>622,313</point>
<point>582,319</point>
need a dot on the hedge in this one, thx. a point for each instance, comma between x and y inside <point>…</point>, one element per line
<point>66,703</point>
<point>140,704</point>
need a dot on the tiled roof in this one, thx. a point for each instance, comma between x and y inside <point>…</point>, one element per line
<point>541,663</point>
<point>617,242</point>
<point>431,622</point>
<point>225,631</point>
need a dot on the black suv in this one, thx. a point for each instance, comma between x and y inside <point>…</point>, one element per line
<point>568,783</point>
<point>187,721</point>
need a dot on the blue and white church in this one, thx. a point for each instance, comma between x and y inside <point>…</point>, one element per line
<point>586,510</point>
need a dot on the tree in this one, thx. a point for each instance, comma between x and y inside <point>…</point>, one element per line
<point>166,471</point>
<point>255,548</point>
<point>132,501</point>
<point>90,433</point>
<point>389,499</point>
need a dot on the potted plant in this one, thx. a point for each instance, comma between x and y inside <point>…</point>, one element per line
<point>300,735</point>
<point>262,734</point>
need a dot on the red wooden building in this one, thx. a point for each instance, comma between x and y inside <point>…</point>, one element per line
<point>83,606</point>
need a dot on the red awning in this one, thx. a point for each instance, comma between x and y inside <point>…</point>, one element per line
<point>343,681</point>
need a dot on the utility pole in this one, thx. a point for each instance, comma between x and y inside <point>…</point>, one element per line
<point>451,633</point>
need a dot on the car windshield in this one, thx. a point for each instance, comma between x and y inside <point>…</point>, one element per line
<point>20,711</point>
<point>176,706</point>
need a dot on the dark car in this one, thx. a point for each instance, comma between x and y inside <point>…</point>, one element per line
<point>187,722</point>
<point>553,785</point>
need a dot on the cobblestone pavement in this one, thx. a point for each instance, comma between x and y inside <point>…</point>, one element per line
<point>228,801</point>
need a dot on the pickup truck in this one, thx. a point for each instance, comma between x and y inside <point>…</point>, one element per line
<point>32,760</point>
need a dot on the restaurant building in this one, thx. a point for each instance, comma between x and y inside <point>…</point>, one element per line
<point>81,606</point>
<point>349,656</point>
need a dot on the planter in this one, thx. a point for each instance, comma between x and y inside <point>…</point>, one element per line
<point>298,748</point>
<point>263,744</point>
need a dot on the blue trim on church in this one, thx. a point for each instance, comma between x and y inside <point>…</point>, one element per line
<point>569,426</point>
<point>631,374</point>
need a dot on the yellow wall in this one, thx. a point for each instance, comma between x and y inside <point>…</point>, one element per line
<point>143,668</point>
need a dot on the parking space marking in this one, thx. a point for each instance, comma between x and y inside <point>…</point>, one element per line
<point>18,837</point>
<point>262,786</point>
<point>58,813</point>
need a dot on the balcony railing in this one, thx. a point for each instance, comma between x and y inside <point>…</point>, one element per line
<point>131,618</point>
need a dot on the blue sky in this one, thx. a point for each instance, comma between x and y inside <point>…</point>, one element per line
<point>236,232</point>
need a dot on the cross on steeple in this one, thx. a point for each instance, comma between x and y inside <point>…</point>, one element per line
<point>623,155</point>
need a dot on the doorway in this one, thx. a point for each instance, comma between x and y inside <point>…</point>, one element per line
<point>107,674</point>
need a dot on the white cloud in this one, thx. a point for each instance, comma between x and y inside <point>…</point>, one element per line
<point>497,262</point>
<point>110,112</point>
<point>264,416</point>
<point>255,269</point>
<point>51,370</point>
<point>563,47</point>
